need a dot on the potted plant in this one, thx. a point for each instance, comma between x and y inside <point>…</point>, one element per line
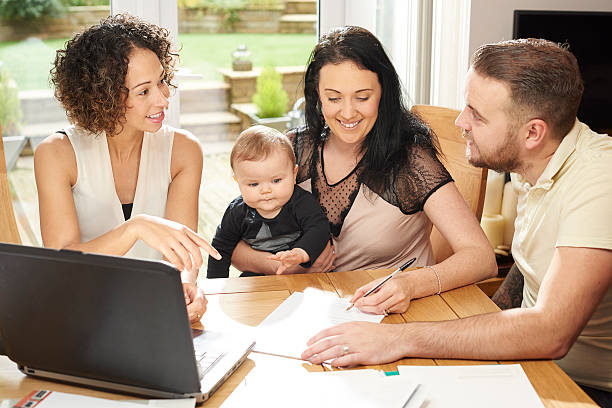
<point>10,117</point>
<point>270,100</point>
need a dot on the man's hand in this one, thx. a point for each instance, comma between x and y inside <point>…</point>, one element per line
<point>354,343</point>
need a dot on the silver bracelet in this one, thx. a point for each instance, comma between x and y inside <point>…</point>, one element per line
<point>437,278</point>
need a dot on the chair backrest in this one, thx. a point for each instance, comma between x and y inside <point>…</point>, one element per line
<point>470,181</point>
<point>8,224</point>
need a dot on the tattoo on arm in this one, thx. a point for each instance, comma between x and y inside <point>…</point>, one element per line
<point>510,293</point>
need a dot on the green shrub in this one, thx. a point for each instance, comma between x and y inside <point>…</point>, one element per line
<point>212,4</point>
<point>73,3</point>
<point>27,10</point>
<point>227,9</point>
<point>270,97</point>
<point>10,110</point>
<point>263,4</point>
<point>192,4</point>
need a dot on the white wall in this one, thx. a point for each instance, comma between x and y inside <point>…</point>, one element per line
<point>491,20</point>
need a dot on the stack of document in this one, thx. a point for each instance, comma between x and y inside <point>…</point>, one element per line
<point>478,386</point>
<point>355,389</point>
<point>302,315</point>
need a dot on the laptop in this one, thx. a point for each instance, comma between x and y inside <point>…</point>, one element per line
<point>108,322</point>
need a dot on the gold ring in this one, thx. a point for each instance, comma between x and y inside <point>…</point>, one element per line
<point>345,350</point>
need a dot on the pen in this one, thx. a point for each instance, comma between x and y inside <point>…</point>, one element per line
<point>375,288</point>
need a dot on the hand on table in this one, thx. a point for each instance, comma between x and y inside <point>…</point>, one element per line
<point>392,297</point>
<point>179,244</point>
<point>289,258</point>
<point>354,343</point>
<point>195,301</point>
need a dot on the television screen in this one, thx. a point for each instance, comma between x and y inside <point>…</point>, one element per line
<point>589,39</point>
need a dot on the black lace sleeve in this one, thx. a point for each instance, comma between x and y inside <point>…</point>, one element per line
<point>416,180</point>
<point>303,147</point>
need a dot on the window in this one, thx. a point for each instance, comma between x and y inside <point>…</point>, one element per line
<point>427,40</point>
<point>27,51</point>
<point>213,101</point>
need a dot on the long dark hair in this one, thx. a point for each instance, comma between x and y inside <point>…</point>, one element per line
<point>387,144</point>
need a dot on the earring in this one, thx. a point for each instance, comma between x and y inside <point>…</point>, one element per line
<point>325,130</point>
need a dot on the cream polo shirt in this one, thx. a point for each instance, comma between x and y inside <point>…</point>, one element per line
<point>570,205</point>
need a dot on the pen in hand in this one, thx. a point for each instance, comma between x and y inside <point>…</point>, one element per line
<point>375,288</point>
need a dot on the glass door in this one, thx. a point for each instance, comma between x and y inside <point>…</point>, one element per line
<point>30,34</point>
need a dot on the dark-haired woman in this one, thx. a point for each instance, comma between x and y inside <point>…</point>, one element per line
<point>118,181</point>
<point>374,169</point>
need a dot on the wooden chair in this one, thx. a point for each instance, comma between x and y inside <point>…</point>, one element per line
<point>8,224</point>
<point>470,181</point>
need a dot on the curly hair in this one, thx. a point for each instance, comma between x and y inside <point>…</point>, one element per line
<point>89,74</point>
<point>395,131</point>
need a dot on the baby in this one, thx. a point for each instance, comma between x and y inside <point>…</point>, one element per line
<point>272,214</point>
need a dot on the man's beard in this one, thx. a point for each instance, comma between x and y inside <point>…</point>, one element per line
<point>504,159</point>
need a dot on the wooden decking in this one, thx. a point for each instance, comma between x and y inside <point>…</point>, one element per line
<point>217,190</point>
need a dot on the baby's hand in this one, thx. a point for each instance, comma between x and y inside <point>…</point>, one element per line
<point>289,258</point>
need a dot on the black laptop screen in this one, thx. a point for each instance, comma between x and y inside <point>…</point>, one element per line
<point>100,317</point>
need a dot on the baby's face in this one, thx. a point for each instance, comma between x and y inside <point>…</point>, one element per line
<point>266,185</point>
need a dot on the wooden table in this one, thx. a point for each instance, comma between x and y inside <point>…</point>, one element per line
<point>239,302</point>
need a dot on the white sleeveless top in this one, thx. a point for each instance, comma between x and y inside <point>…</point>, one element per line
<point>97,206</point>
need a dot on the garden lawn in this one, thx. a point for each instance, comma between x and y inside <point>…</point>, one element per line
<point>205,53</point>
<point>28,62</point>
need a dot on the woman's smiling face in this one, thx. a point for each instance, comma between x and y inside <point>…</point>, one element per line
<point>147,92</point>
<point>349,100</point>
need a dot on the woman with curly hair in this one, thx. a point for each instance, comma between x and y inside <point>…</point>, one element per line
<point>374,168</point>
<point>118,181</point>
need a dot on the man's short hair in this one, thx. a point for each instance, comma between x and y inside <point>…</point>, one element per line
<point>257,142</point>
<point>543,77</point>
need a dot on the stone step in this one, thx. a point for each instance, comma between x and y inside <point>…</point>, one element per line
<point>298,23</point>
<point>204,96</point>
<point>301,7</point>
<point>40,106</point>
<point>212,126</point>
<point>36,132</point>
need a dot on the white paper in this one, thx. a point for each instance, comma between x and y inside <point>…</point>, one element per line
<point>355,389</point>
<point>167,403</point>
<point>477,386</point>
<point>302,315</point>
<point>64,400</point>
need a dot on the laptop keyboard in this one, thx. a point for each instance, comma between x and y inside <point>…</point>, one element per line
<point>206,360</point>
